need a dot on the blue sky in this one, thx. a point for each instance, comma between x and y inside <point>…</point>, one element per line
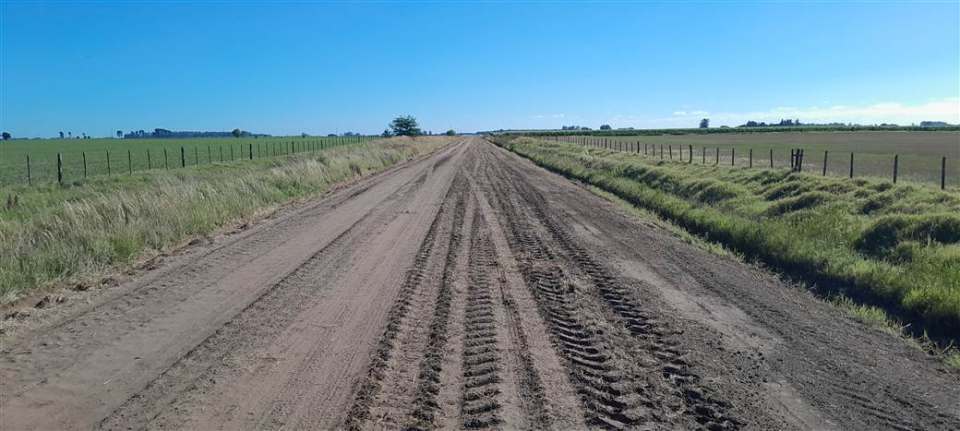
<point>286,68</point>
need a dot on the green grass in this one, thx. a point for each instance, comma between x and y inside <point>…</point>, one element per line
<point>139,154</point>
<point>894,246</point>
<point>919,152</point>
<point>76,233</point>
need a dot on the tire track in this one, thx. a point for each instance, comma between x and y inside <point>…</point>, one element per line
<point>425,404</point>
<point>480,404</point>
<point>369,386</point>
<point>704,409</point>
<point>609,397</point>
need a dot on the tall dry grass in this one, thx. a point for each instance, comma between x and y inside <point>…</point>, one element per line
<point>77,233</point>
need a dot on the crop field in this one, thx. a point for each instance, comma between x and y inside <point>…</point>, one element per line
<point>920,154</point>
<point>84,158</point>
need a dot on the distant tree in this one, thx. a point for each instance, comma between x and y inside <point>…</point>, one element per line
<point>304,135</point>
<point>451,132</point>
<point>331,135</point>
<point>61,134</point>
<point>705,123</point>
<point>386,133</point>
<point>119,133</point>
<point>405,126</point>
<point>70,134</point>
<point>6,136</point>
<point>84,135</point>
<point>605,127</point>
<point>236,133</point>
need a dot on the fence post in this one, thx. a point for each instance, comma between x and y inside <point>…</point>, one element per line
<point>221,153</point>
<point>108,163</point>
<point>29,179</point>
<point>129,163</point>
<point>165,164</point>
<point>800,163</point>
<point>750,163</point>
<point>251,151</point>
<point>825,155</point>
<point>231,153</point>
<point>196,156</point>
<point>661,151</point>
<point>183,157</point>
<point>771,158</point>
<point>670,148</point>
<point>209,159</point>
<point>638,147</point>
<point>149,163</point>
<point>59,169</point>
<point>717,162</point>
<point>703,155</point>
<point>896,160</point>
<point>733,151</point>
<point>851,164</point>
<point>690,153</point>
<point>793,159</point>
<point>943,173</point>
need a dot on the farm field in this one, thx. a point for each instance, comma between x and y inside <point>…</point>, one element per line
<point>467,288</point>
<point>920,153</point>
<point>107,156</point>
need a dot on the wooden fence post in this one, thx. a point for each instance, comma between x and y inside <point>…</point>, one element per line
<point>670,148</point>
<point>84,155</point>
<point>209,159</point>
<point>29,179</point>
<point>825,154</point>
<point>717,161</point>
<point>221,153</point>
<point>108,163</point>
<point>661,151</point>
<point>251,151</point>
<point>59,169</point>
<point>851,164</point>
<point>792,159</point>
<point>750,163</point>
<point>196,156</point>
<point>732,155</point>
<point>129,163</point>
<point>771,158</point>
<point>943,173</point>
<point>896,160</point>
<point>149,163</point>
<point>183,157</point>
<point>165,164</point>
<point>690,152</point>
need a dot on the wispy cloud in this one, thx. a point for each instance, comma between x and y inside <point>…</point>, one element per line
<point>545,116</point>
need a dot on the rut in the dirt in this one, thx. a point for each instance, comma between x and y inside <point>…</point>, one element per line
<point>481,356</point>
<point>428,386</point>
<point>609,391</point>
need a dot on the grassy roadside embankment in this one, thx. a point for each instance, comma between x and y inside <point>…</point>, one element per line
<point>78,233</point>
<point>894,246</point>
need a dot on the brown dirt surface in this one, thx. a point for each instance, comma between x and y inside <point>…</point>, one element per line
<point>464,290</point>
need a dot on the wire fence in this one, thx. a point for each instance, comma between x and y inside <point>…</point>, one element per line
<point>894,167</point>
<point>64,164</point>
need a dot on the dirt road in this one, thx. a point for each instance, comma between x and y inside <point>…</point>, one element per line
<point>468,289</point>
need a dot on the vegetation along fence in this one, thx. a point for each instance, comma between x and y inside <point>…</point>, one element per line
<point>61,161</point>
<point>892,166</point>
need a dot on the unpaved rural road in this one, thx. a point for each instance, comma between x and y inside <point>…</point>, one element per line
<point>465,289</point>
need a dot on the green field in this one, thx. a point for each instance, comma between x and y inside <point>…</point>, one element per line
<point>919,153</point>
<point>80,232</point>
<point>126,155</point>
<point>896,246</point>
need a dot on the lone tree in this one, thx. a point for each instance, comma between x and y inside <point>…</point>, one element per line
<point>236,133</point>
<point>405,126</point>
<point>61,135</point>
<point>705,123</point>
<point>605,127</point>
<point>6,136</point>
<point>119,134</point>
<point>386,133</point>
<point>451,132</point>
